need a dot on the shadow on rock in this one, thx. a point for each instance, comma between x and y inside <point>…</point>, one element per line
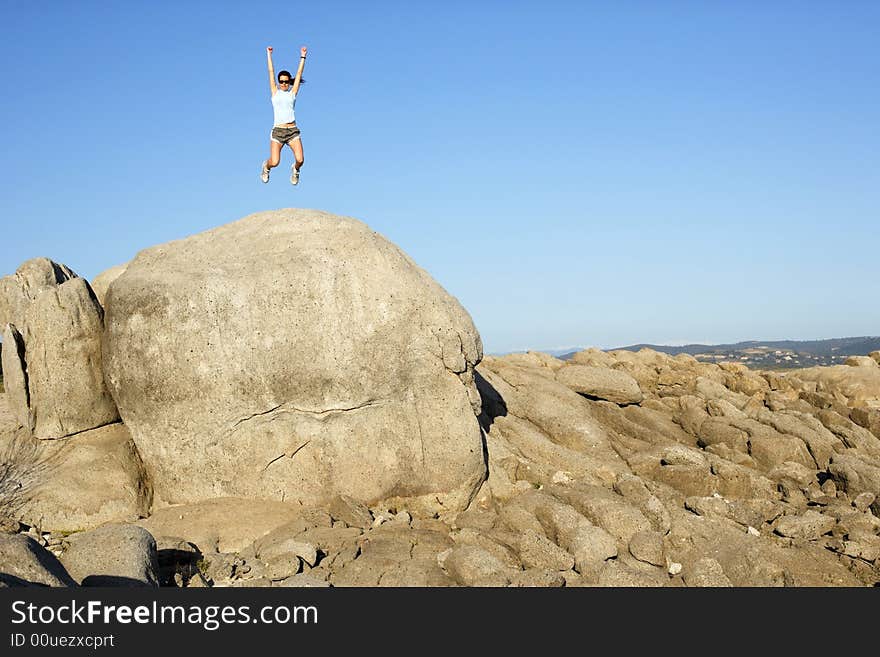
<point>115,580</point>
<point>11,581</point>
<point>493,404</point>
<point>178,564</point>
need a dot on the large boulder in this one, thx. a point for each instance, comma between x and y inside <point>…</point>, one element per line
<point>101,282</point>
<point>113,555</point>
<point>53,324</point>
<point>87,480</point>
<point>18,290</point>
<point>66,388</point>
<point>24,562</point>
<point>295,355</point>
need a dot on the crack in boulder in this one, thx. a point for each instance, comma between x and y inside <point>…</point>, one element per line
<point>285,408</point>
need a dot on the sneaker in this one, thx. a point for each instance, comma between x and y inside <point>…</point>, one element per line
<point>264,176</point>
<point>294,175</point>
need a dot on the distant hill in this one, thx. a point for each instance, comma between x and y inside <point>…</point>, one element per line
<point>770,353</point>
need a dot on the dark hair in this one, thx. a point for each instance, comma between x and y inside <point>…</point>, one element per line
<point>287,73</point>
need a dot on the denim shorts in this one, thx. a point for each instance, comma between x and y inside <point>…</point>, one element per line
<point>284,135</point>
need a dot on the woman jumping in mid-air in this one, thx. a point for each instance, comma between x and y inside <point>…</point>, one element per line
<point>284,130</point>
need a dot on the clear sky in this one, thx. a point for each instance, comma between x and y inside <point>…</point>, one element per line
<point>575,173</point>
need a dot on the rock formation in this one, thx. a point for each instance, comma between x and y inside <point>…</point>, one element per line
<point>101,282</point>
<point>319,413</point>
<point>295,355</point>
<point>53,368</point>
<point>18,290</point>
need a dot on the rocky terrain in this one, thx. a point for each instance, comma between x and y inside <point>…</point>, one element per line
<point>311,409</point>
<point>769,355</point>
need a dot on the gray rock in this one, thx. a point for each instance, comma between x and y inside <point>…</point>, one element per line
<point>197,581</point>
<point>289,546</point>
<point>615,574</point>
<point>479,519</point>
<point>232,384</point>
<point>416,572</point>
<point>770,448</point>
<point>222,568</point>
<point>519,520</point>
<point>15,376</point>
<point>602,383</point>
<point>113,555</point>
<point>90,479</point>
<point>794,471</point>
<point>708,506</point>
<point>470,565</point>
<point>317,518</point>
<point>31,279</point>
<point>500,546</point>
<point>692,413</point>
<point>635,491</point>
<point>101,282</point>
<point>538,552</point>
<point>648,547</point>
<point>706,572</point>
<point>868,418</point>
<point>810,525</point>
<point>860,361</point>
<point>606,509</point>
<point>24,562</point>
<point>591,546</point>
<point>867,548</point>
<point>856,473</point>
<point>257,582</point>
<point>864,501</point>
<point>227,524</point>
<point>282,566</point>
<point>336,546</point>
<point>850,434</point>
<point>304,581</point>
<point>350,511</point>
<point>719,430</point>
<point>532,577</point>
<point>562,415</point>
<point>741,482</point>
<point>66,389</point>
<point>723,408</point>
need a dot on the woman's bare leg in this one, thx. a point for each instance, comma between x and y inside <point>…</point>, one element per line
<point>274,154</point>
<point>297,148</point>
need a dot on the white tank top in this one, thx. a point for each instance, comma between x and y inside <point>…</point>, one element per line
<point>282,103</point>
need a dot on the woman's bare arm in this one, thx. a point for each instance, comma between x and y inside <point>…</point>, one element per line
<point>302,64</point>
<point>272,86</point>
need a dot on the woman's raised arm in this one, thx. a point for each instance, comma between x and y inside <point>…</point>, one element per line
<point>272,86</point>
<point>299,71</point>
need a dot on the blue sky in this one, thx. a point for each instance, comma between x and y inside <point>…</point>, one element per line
<point>575,173</point>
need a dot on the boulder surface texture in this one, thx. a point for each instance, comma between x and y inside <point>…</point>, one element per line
<point>295,355</point>
<point>54,324</point>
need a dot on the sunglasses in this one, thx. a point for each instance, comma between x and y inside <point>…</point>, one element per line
<point>284,81</point>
